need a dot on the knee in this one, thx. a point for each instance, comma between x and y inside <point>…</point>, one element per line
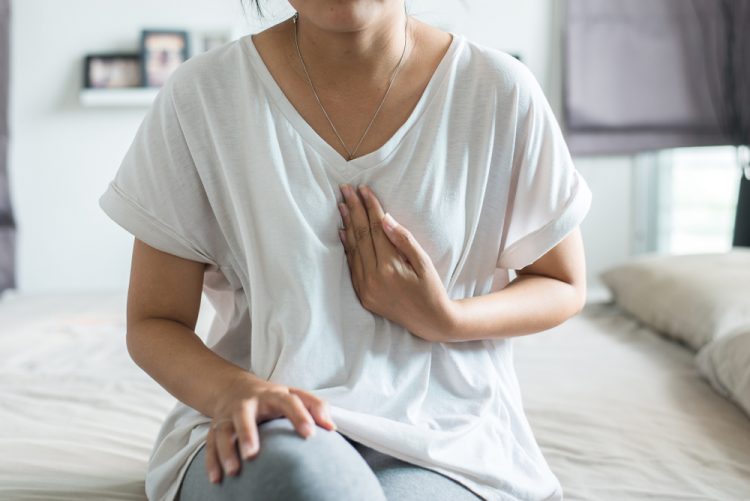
<point>321,467</point>
<point>284,452</point>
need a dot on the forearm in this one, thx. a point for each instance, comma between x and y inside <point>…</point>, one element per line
<point>176,358</point>
<point>529,304</point>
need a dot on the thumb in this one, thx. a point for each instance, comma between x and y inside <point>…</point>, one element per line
<point>404,241</point>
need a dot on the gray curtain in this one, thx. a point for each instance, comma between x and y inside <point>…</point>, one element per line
<point>7,223</point>
<point>650,74</point>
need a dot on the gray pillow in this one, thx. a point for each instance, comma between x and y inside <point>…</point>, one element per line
<point>690,298</point>
<point>725,363</point>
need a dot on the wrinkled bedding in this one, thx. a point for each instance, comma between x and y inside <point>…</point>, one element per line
<point>619,412</point>
<point>623,414</point>
<point>79,416</point>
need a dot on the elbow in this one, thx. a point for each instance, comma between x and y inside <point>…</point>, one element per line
<point>132,341</point>
<point>130,344</point>
<point>579,296</point>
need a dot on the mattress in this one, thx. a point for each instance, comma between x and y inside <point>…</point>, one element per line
<point>619,412</point>
<point>78,416</point>
<point>623,414</point>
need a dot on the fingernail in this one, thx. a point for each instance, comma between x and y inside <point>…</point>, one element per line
<point>308,430</point>
<point>342,236</point>
<point>390,223</point>
<point>363,189</point>
<point>214,477</point>
<point>245,449</point>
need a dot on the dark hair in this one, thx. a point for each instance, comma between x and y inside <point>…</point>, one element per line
<point>257,7</point>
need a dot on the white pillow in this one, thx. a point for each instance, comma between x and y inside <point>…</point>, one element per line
<point>692,298</point>
<point>725,362</point>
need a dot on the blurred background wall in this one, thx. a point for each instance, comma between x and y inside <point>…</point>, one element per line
<point>62,155</point>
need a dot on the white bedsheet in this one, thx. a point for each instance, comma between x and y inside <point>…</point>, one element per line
<point>619,413</point>
<point>622,414</point>
<point>78,415</point>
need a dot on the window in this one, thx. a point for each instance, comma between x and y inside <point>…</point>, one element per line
<point>697,201</point>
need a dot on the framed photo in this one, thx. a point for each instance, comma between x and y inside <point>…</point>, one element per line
<point>211,39</point>
<point>205,39</point>
<point>162,51</point>
<point>113,70</point>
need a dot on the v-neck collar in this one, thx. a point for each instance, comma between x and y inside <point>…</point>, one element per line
<point>328,152</point>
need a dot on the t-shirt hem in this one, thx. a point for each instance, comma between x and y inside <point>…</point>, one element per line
<point>174,490</point>
<point>483,491</point>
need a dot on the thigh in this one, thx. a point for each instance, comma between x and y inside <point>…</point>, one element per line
<point>288,467</point>
<point>403,481</point>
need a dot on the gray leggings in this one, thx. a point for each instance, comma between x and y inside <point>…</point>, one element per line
<point>326,466</point>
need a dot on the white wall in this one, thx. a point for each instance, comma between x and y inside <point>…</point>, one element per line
<point>62,155</point>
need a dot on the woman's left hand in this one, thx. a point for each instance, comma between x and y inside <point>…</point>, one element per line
<point>392,274</point>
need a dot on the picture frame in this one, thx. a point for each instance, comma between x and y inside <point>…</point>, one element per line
<point>112,70</point>
<point>161,52</point>
<point>206,40</point>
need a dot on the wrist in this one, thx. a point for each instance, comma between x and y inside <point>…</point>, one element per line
<point>237,382</point>
<point>452,321</point>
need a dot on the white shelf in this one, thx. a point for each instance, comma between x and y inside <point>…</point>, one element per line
<point>132,97</point>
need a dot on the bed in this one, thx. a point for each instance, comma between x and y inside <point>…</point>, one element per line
<point>620,412</point>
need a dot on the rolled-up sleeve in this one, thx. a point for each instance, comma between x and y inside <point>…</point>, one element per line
<point>548,197</point>
<point>157,193</point>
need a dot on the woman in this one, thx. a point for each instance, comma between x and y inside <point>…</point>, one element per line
<point>375,362</point>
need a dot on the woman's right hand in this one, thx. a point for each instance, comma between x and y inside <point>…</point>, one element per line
<point>248,402</point>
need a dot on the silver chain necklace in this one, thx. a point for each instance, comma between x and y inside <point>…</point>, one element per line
<point>390,83</point>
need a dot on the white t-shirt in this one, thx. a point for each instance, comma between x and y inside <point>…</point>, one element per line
<point>225,171</point>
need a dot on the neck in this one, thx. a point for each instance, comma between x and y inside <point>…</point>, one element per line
<point>367,54</point>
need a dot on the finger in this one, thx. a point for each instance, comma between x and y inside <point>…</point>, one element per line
<point>352,253</point>
<point>247,429</point>
<point>225,446</point>
<point>298,414</point>
<point>407,244</point>
<point>318,408</point>
<point>360,227</point>
<point>345,244</point>
<point>349,252</point>
<point>384,250</point>
<point>213,467</point>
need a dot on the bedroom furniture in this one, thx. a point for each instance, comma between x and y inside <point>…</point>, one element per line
<point>624,414</point>
<point>701,301</point>
<point>620,412</point>
<point>725,362</point>
<point>79,417</point>
<point>692,298</point>
<point>141,97</point>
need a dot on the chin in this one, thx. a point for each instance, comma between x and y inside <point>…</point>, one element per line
<point>343,15</point>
